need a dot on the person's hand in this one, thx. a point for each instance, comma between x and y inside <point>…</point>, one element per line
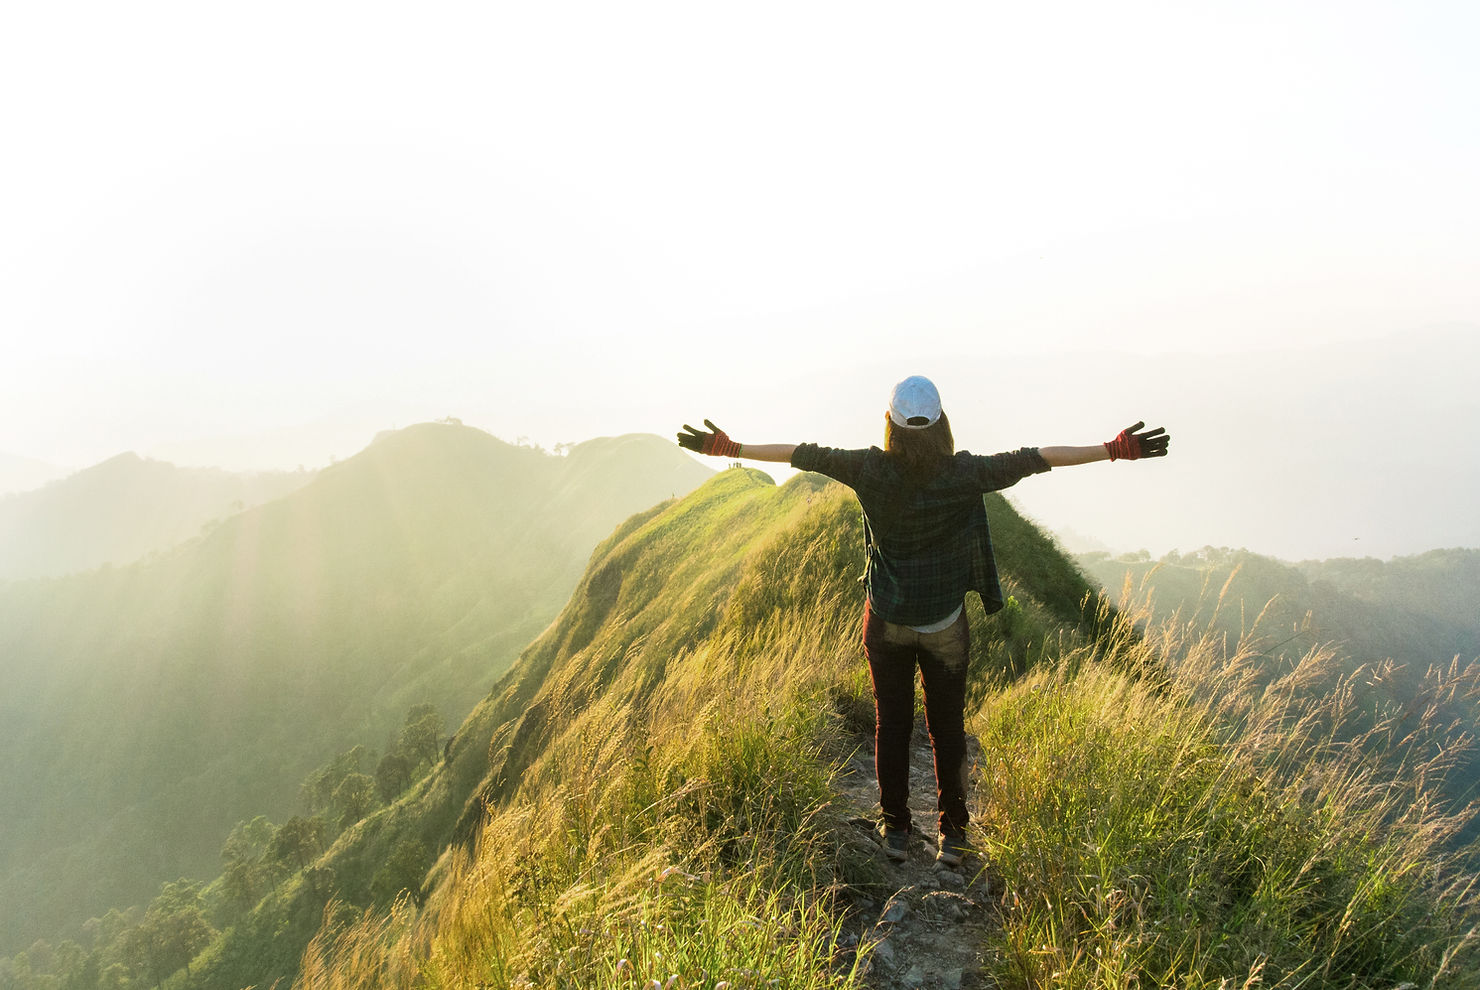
<point>1129,445</point>
<point>715,443</point>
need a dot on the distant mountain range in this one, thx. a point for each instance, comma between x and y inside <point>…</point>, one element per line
<point>1418,610</point>
<point>20,474</point>
<point>147,708</point>
<point>123,509</point>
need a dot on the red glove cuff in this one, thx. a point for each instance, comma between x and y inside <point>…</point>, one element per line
<point>1124,447</point>
<point>720,445</point>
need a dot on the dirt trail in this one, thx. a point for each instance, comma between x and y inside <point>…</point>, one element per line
<point>932,924</point>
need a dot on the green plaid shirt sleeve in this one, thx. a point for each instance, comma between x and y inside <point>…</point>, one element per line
<point>837,463</point>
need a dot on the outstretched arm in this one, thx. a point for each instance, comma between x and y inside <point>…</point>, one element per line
<point>1127,445</point>
<point>717,443</point>
<point>1069,456</point>
<point>778,452</point>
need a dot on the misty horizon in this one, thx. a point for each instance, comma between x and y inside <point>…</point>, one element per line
<point>1280,452</point>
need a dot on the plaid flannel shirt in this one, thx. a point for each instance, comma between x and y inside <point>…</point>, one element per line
<point>925,546</point>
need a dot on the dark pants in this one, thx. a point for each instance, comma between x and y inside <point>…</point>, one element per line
<point>893,654</point>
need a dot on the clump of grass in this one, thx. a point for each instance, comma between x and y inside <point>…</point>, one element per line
<point>1222,824</point>
<point>688,867</point>
<point>675,829</point>
<point>356,948</point>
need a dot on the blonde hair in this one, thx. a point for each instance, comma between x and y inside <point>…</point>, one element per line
<point>922,453</point>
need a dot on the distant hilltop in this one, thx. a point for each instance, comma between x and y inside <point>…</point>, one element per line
<point>21,474</point>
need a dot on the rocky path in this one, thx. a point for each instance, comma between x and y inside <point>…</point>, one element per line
<point>930,922</point>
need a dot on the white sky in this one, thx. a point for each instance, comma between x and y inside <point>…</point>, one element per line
<point>567,220</point>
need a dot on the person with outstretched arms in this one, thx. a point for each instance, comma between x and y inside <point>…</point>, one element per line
<point>926,544</point>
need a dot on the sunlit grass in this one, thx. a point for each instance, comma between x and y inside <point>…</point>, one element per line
<point>676,831</point>
<point>691,866</point>
<point>1222,824</point>
<point>1158,808</point>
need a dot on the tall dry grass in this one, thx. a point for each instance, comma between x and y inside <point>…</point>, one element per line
<point>1168,809</point>
<point>687,859</point>
<point>675,831</point>
<point>1162,808</point>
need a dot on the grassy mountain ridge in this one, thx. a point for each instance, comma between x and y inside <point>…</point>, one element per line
<point>153,706</point>
<point>650,637</point>
<point>649,794</point>
<point>657,806</point>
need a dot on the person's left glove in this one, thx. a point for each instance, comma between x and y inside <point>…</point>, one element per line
<point>1129,445</point>
<point>715,443</point>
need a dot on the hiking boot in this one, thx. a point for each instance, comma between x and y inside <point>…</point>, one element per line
<point>952,849</point>
<point>896,843</point>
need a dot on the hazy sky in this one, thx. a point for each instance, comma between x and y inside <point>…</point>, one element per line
<point>567,220</point>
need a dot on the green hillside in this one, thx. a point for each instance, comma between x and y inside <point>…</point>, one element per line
<point>1151,819</point>
<point>625,636</point>
<point>1443,585</point>
<point>149,708</point>
<point>121,510</point>
<point>653,794</point>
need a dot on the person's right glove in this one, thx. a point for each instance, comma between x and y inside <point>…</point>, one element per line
<point>715,443</point>
<point>1129,445</point>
